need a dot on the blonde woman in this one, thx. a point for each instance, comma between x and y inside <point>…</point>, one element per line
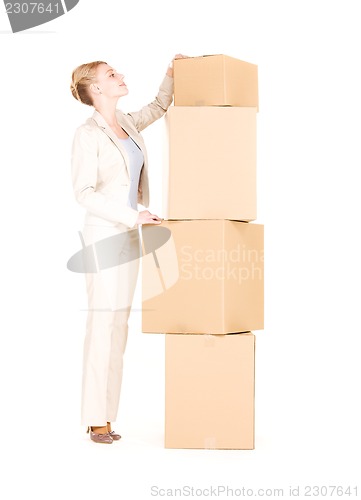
<point>110,176</point>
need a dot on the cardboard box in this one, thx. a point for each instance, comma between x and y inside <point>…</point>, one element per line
<point>219,288</point>
<point>158,245</point>
<point>210,163</point>
<point>209,391</point>
<point>215,80</point>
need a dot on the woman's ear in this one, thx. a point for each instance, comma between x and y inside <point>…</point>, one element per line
<point>94,89</point>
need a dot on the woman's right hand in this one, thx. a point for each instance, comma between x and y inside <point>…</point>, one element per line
<point>145,217</point>
<point>170,67</point>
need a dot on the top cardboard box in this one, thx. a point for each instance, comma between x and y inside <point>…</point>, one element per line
<point>215,80</point>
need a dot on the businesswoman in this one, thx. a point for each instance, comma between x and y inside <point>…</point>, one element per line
<point>110,176</point>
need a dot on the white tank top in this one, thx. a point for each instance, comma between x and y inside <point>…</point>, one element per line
<point>136,160</point>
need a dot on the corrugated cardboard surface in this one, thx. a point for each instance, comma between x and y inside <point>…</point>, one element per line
<point>220,285</point>
<point>209,391</point>
<point>215,80</point>
<point>210,163</point>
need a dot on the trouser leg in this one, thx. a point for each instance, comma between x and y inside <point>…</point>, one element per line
<point>110,294</point>
<point>116,359</point>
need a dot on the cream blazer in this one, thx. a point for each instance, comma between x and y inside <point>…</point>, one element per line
<point>100,165</point>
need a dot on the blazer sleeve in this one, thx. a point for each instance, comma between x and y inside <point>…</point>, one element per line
<point>156,109</point>
<point>84,169</point>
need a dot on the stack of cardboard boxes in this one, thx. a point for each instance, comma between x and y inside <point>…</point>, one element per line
<point>204,288</point>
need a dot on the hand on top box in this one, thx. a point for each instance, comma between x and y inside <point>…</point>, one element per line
<point>170,67</point>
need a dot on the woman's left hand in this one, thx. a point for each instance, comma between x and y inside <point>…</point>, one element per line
<point>170,67</point>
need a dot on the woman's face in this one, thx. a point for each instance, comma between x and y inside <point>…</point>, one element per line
<point>109,82</point>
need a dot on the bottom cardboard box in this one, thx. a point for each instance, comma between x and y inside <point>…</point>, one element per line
<point>209,391</point>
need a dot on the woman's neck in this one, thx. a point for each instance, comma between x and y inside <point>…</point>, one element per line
<point>108,113</point>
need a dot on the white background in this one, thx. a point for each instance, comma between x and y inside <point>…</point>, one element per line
<point>307,374</point>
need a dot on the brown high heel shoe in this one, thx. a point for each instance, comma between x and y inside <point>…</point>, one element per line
<point>115,436</point>
<point>100,438</point>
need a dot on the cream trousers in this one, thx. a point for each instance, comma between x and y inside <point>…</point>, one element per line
<point>110,293</point>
